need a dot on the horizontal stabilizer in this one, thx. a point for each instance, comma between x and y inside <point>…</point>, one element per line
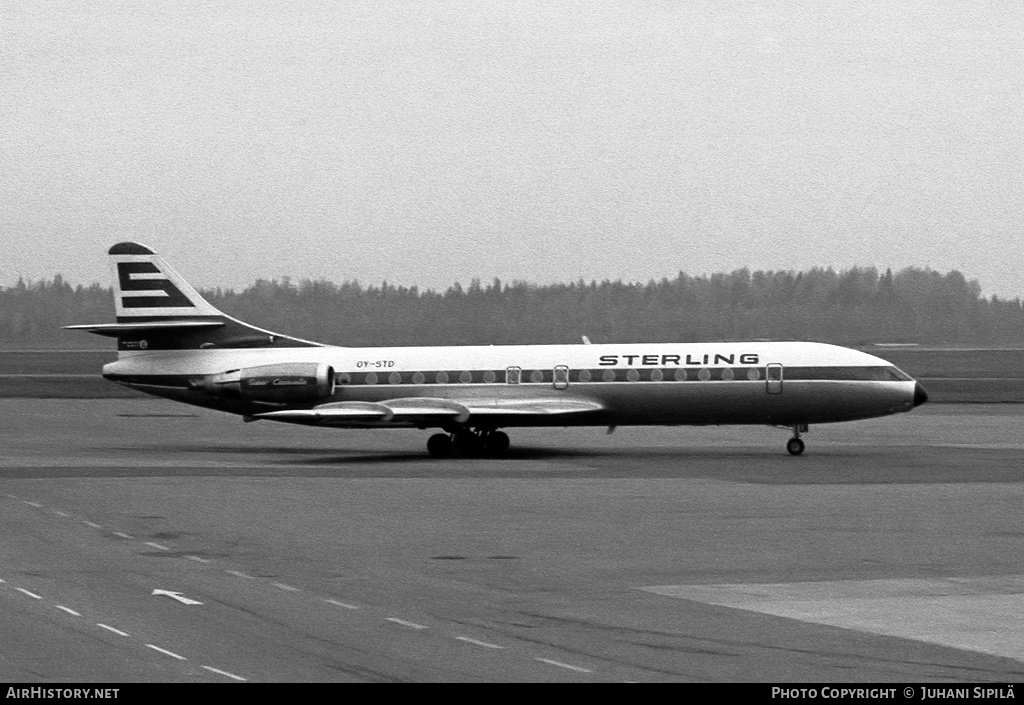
<point>115,329</point>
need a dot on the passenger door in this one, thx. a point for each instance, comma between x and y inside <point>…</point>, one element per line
<point>561,377</point>
<point>773,378</point>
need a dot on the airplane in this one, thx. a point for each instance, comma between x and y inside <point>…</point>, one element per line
<point>172,343</point>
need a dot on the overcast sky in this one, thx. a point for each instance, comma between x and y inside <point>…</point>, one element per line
<point>432,142</point>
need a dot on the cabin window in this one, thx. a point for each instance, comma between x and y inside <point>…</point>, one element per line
<point>657,375</point>
<point>753,374</point>
<point>395,378</point>
<point>680,375</point>
<point>418,378</point>
<point>608,376</point>
<point>632,375</point>
<point>343,378</point>
<point>728,374</point>
<point>536,376</point>
<point>489,377</point>
<point>442,378</point>
<point>583,376</point>
<point>512,375</point>
<point>371,378</point>
<point>704,375</point>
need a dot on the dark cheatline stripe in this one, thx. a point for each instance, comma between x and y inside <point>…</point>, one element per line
<point>584,376</point>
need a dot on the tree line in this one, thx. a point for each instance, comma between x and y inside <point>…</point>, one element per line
<point>850,307</point>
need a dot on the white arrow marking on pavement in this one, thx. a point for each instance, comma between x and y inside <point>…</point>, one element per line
<point>178,596</point>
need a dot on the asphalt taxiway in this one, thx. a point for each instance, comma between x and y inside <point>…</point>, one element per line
<point>890,551</point>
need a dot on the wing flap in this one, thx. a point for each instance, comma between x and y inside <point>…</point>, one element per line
<point>544,406</point>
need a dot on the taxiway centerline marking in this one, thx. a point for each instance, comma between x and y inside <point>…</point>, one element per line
<point>405,623</point>
<point>157,546</point>
<point>223,673</point>
<point>478,643</point>
<point>197,559</point>
<point>238,574</point>
<point>60,513</point>
<point>68,610</point>
<point>95,526</point>
<point>30,594</point>
<point>37,505</point>
<point>112,629</point>
<point>288,588</point>
<point>552,662</point>
<point>165,651</point>
<point>341,604</point>
<point>122,534</point>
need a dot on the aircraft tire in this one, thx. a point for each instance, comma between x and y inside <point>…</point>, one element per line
<point>795,446</point>
<point>497,443</point>
<point>439,445</point>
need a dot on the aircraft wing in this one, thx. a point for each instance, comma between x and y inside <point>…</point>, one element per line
<point>431,411</point>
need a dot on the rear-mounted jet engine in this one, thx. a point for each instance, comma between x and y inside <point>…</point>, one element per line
<point>296,381</point>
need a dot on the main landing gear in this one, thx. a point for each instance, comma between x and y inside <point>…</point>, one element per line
<point>467,442</point>
<point>795,446</point>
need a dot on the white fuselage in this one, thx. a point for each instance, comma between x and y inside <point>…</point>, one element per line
<point>645,383</point>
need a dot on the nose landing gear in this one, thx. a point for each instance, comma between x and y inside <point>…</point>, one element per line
<point>795,446</point>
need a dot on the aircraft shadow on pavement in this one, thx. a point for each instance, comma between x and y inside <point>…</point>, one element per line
<point>827,465</point>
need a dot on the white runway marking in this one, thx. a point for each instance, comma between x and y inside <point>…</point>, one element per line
<point>197,559</point>
<point>238,574</point>
<point>341,604</point>
<point>289,588</point>
<point>165,651</point>
<point>112,629</point>
<point>223,673</point>
<point>68,610</point>
<point>578,669</point>
<point>37,505</point>
<point>60,513</point>
<point>122,534</point>
<point>479,643</point>
<point>30,594</point>
<point>404,623</point>
<point>95,526</point>
<point>157,546</point>
<point>984,614</point>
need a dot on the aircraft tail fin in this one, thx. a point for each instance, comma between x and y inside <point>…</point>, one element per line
<point>156,309</point>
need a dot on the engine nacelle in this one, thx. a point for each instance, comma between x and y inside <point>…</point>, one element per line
<point>292,381</point>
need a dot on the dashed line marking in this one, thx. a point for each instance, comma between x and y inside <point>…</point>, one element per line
<point>68,610</point>
<point>341,604</point>
<point>404,623</point>
<point>30,594</point>
<point>223,673</point>
<point>112,629</point>
<point>2,580</point>
<point>61,514</point>
<point>157,546</point>
<point>197,559</point>
<point>551,662</point>
<point>89,523</point>
<point>484,644</point>
<point>12,496</point>
<point>37,505</point>
<point>165,651</point>
<point>238,574</point>
<point>122,534</point>
<point>289,588</point>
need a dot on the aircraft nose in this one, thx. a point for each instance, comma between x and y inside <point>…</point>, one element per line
<point>920,396</point>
